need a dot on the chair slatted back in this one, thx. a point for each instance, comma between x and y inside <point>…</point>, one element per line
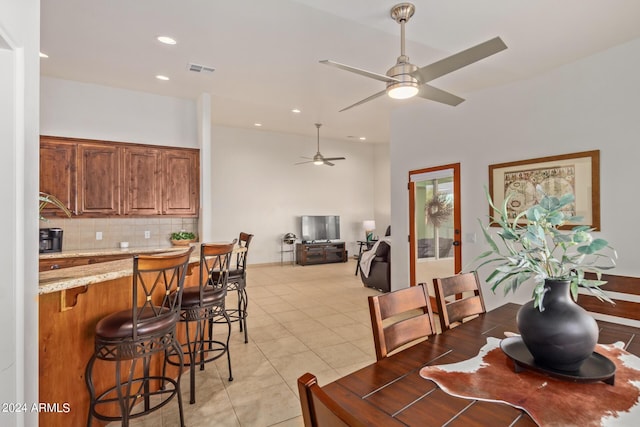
<point>400,317</point>
<point>625,293</point>
<point>319,409</point>
<point>458,297</point>
<point>157,286</point>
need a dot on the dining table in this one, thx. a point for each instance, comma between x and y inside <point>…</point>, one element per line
<point>392,392</point>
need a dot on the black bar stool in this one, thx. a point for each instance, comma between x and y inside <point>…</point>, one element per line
<point>203,303</point>
<point>137,334</point>
<point>238,282</point>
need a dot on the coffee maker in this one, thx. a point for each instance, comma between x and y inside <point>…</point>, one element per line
<point>50,240</point>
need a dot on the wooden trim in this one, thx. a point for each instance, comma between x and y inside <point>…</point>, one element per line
<point>412,234</point>
<point>457,218</point>
<point>594,184</point>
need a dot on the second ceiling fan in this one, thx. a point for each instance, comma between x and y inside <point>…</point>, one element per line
<point>405,80</point>
<point>319,159</point>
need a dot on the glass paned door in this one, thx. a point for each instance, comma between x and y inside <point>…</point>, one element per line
<point>435,224</point>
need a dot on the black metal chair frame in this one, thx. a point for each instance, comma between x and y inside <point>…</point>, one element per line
<point>238,282</point>
<point>153,326</point>
<point>209,305</point>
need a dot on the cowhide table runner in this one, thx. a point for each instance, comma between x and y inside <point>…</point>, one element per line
<point>490,376</point>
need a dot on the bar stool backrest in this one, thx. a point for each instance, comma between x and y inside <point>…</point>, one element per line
<point>214,266</point>
<point>157,287</point>
<point>241,258</point>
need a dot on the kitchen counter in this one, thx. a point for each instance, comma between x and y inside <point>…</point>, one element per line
<point>71,302</point>
<point>105,252</point>
<point>74,277</point>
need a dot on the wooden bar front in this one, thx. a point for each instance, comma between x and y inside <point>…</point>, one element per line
<point>66,337</point>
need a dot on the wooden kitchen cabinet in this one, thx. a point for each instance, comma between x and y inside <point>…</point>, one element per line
<point>142,170</point>
<point>99,179</point>
<point>180,183</point>
<point>110,179</point>
<point>58,173</point>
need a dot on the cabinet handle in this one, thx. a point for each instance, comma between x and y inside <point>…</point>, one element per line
<point>55,267</point>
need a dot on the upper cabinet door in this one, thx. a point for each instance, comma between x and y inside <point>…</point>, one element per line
<point>141,186</point>
<point>58,174</point>
<point>99,171</point>
<point>180,182</point>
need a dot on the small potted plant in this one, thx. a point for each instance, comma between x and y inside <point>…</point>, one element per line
<point>182,238</point>
<point>532,246</point>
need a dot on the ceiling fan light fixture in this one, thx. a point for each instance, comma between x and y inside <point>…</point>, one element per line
<point>402,90</point>
<point>404,85</point>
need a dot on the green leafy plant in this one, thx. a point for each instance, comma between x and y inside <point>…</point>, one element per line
<point>532,246</point>
<point>183,235</point>
<point>46,199</point>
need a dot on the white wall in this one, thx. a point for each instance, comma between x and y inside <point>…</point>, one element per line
<point>252,184</point>
<point>19,80</point>
<point>83,110</point>
<point>382,187</point>
<point>587,105</point>
<point>257,188</point>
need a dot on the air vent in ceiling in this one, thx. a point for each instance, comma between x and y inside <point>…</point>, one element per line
<point>197,68</point>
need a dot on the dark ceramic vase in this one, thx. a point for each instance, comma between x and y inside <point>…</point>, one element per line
<point>562,336</point>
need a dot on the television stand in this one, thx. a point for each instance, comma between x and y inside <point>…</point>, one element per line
<point>320,252</point>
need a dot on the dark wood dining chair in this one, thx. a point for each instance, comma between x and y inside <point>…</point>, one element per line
<point>319,409</point>
<point>458,298</point>
<point>399,318</point>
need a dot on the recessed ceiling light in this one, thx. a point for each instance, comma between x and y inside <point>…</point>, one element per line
<point>257,124</point>
<point>43,55</point>
<point>363,138</point>
<point>166,40</point>
<point>161,77</point>
<point>295,110</point>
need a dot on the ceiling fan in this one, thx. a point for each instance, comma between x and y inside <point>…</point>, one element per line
<point>319,159</point>
<point>405,80</point>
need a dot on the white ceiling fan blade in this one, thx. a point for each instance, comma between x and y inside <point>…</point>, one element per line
<point>374,96</point>
<point>459,60</point>
<point>302,163</point>
<point>439,95</point>
<point>370,74</point>
<point>328,163</point>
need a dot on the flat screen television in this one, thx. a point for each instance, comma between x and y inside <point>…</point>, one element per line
<point>320,228</point>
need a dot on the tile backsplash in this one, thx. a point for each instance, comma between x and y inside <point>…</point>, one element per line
<point>80,233</point>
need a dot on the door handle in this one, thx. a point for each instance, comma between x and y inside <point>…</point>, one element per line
<point>456,243</point>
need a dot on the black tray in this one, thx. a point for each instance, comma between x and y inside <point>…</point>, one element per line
<point>595,368</point>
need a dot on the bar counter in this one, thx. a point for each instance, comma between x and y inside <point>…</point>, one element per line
<point>71,302</point>
<point>74,277</point>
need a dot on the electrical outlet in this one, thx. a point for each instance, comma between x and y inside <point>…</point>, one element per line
<point>147,234</point>
<point>98,235</point>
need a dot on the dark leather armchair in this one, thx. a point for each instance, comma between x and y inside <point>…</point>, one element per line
<point>380,272</point>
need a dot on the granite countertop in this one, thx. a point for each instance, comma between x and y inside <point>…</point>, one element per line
<point>106,252</point>
<point>73,277</point>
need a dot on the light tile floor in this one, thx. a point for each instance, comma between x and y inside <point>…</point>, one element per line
<point>301,319</point>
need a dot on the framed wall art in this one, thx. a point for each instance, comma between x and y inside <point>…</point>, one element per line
<point>576,173</point>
